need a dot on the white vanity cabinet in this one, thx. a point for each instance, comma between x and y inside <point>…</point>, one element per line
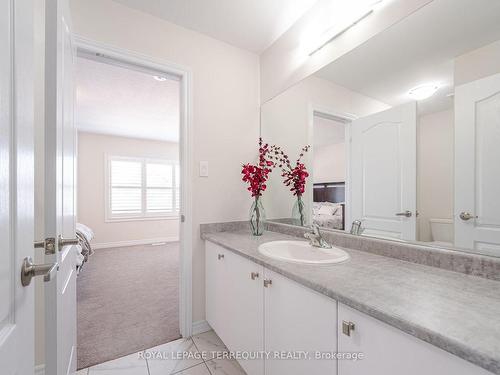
<point>282,316</point>
<point>235,303</point>
<point>388,350</point>
<point>298,319</point>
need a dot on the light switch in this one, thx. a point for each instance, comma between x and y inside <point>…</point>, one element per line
<point>203,168</point>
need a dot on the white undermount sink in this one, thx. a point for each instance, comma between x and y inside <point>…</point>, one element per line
<point>302,252</point>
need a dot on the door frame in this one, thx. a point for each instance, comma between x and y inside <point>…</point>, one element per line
<point>348,118</point>
<point>185,159</point>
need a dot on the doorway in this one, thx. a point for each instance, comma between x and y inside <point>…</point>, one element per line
<point>330,170</point>
<point>134,278</point>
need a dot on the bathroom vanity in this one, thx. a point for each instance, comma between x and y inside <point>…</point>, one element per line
<point>403,318</point>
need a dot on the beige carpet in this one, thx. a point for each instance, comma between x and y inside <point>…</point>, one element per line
<point>128,300</point>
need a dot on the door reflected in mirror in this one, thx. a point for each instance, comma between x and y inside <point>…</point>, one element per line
<point>404,132</point>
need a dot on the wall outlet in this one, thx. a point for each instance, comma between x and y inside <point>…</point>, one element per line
<point>203,168</point>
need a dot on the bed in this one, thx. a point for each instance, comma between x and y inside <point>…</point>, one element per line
<point>85,236</point>
<point>329,205</point>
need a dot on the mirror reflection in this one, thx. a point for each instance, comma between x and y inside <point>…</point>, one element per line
<point>404,133</point>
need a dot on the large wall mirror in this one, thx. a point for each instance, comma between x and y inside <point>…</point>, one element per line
<point>404,133</point>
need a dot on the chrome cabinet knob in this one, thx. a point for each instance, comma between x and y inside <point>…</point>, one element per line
<point>67,241</point>
<point>404,213</point>
<point>465,216</point>
<point>347,327</point>
<point>30,270</point>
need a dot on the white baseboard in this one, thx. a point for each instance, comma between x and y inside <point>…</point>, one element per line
<point>149,241</point>
<point>200,327</point>
<point>40,370</point>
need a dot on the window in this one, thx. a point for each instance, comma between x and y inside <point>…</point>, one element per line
<point>142,188</point>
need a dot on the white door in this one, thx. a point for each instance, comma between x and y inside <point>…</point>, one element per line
<point>384,172</point>
<point>477,165</point>
<point>16,186</point>
<point>298,320</point>
<point>60,296</point>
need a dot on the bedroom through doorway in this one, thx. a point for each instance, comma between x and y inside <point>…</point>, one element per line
<point>128,208</point>
<point>330,165</point>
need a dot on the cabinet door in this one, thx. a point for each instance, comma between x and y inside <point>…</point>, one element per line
<point>235,303</point>
<point>215,296</point>
<point>387,350</point>
<point>298,319</point>
<point>245,318</point>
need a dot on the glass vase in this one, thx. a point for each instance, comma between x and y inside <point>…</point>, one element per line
<point>299,212</point>
<point>257,217</point>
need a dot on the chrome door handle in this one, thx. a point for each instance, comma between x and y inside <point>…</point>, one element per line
<point>467,216</point>
<point>30,270</point>
<point>220,256</point>
<point>67,241</point>
<point>49,244</point>
<point>405,213</point>
<point>254,275</point>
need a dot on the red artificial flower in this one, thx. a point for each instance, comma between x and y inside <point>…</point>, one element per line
<point>257,175</point>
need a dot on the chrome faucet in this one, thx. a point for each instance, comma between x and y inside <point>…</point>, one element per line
<point>356,228</point>
<point>316,239</point>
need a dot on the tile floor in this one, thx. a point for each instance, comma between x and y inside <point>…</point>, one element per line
<point>154,363</point>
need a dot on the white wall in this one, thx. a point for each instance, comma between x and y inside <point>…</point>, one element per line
<point>287,62</point>
<point>480,63</point>
<point>91,189</point>
<point>435,169</point>
<point>287,121</point>
<point>225,111</point>
<point>329,163</point>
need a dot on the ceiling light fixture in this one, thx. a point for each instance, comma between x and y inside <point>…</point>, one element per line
<point>160,78</point>
<point>335,31</point>
<point>423,91</point>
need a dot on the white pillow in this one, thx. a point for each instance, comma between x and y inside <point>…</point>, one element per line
<point>328,210</point>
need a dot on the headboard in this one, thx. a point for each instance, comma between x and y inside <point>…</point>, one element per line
<point>329,192</point>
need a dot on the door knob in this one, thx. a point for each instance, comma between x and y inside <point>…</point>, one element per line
<point>30,270</point>
<point>467,216</point>
<point>67,241</point>
<point>405,213</point>
<point>254,275</point>
<point>220,256</point>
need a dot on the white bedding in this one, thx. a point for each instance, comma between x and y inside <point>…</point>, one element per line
<point>328,215</point>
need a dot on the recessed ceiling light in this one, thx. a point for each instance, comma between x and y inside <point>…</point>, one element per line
<point>160,78</point>
<point>423,92</point>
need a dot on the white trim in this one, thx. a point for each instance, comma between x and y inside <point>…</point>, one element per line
<point>104,245</point>
<point>200,326</point>
<point>40,369</point>
<point>185,151</point>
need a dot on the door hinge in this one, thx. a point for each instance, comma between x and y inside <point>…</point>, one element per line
<point>183,218</point>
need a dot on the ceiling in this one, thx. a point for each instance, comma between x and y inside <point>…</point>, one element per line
<point>249,24</point>
<point>388,66</point>
<point>120,101</point>
<point>327,131</point>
